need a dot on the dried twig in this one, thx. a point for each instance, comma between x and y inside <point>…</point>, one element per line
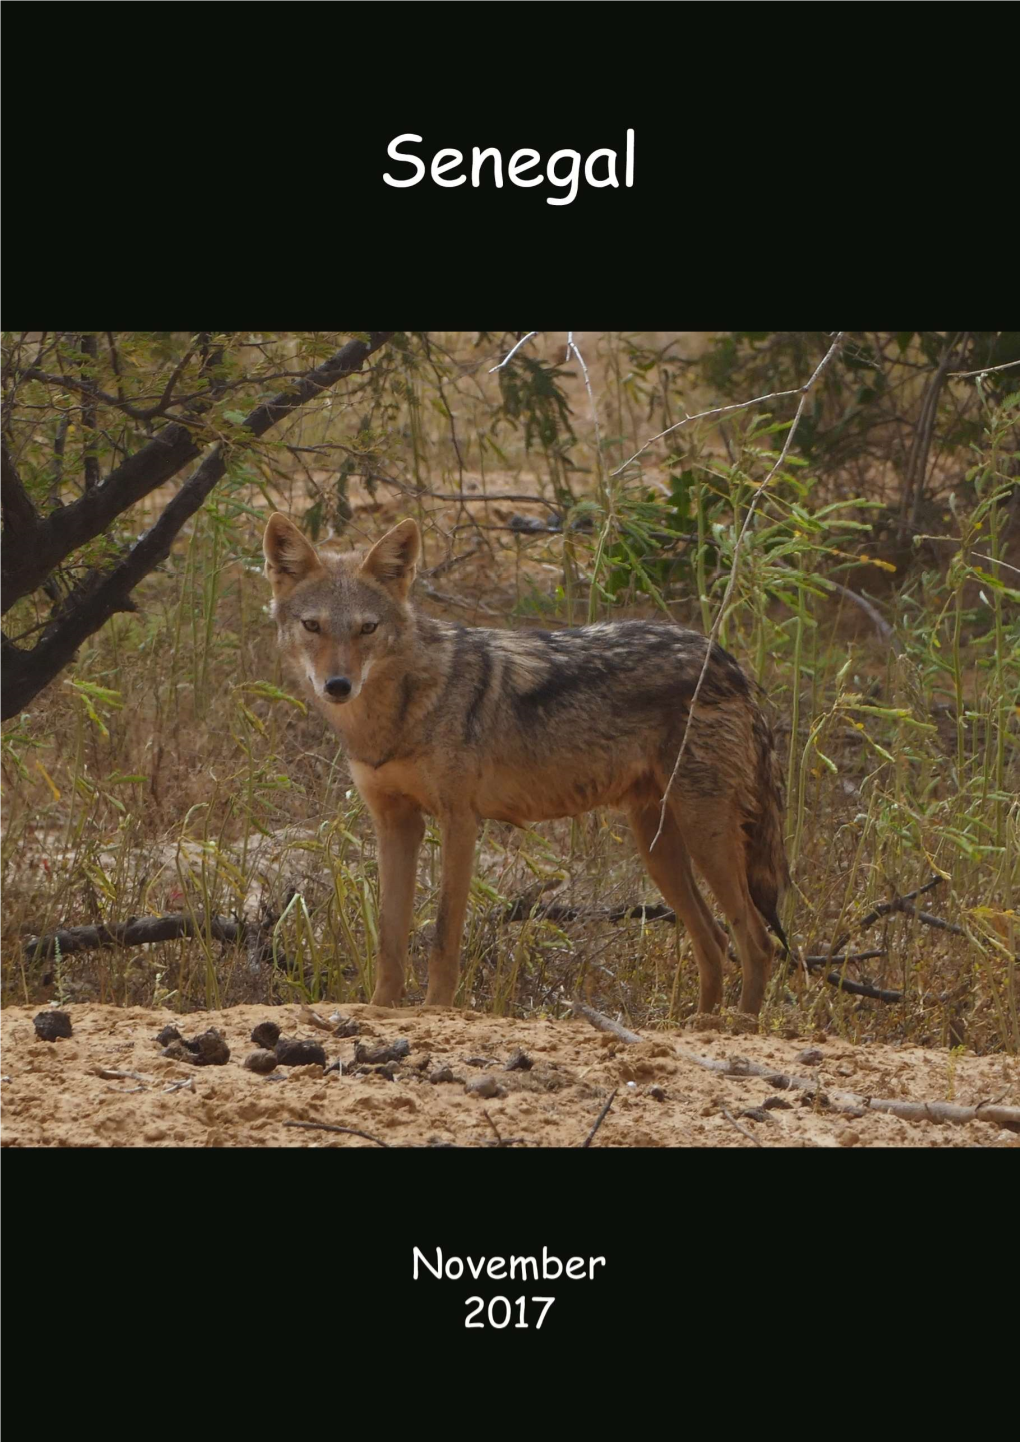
<point>743,1130</point>
<point>500,1141</point>
<point>984,371</point>
<point>601,1116</point>
<point>511,353</point>
<point>328,1127</point>
<point>884,908</point>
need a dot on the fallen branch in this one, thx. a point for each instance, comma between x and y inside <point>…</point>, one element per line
<point>884,908</point>
<point>859,988</point>
<point>553,911</point>
<point>140,931</point>
<point>604,1023</point>
<point>740,1066</point>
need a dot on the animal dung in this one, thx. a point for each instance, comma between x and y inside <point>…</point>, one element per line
<point>208,1049</point>
<point>51,1024</point>
<point>266,1034</point>
<point>291,1052</point>
<point>379,1055</point>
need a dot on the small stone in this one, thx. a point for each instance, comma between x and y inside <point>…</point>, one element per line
<point>444,1074</point>
<point>345,1026</point>
<point>810,1056</point>
<point>773,1103</point>
<point>849,1138</point>
<point>484,1086</point>
<point>51,1024</point>
<point>518,1061</point>
<point>261,1061</point>
<point>657,1094</point>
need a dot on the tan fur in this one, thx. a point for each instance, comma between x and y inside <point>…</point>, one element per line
<point>525,726</point>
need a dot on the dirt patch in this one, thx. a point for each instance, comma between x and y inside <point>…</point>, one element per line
<point>62,1093</point>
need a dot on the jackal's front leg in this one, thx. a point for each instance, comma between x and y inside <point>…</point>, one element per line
<point>460,832</point>
<point>399,827</point>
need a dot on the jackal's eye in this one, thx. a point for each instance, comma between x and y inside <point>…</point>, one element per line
<point>311,625</point>
<point>369,627</point>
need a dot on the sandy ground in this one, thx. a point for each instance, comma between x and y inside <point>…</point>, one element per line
<point>52,1094</point>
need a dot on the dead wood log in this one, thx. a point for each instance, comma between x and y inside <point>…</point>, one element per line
<point>740,1066</point>
<point>604,1023</point>
<point>146,930</point>
<point>140,931</point>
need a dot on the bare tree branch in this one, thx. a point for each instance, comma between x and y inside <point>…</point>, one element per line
<point>25,673</point>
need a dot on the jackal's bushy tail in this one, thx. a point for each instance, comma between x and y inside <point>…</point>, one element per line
<point>767,872</point>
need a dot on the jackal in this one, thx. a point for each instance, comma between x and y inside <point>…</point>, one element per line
<point>526,726</point>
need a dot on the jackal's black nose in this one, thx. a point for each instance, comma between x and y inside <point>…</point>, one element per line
<point>338,687</point>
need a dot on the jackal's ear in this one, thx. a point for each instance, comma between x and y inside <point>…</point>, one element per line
<point>393,559</point>
<point>289,557</point>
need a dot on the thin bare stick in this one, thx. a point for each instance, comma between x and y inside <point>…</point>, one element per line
<point>987,370</point>
<point>805,390</point>
<point>743,1130</point>
<point>884,908</point>
<point>347,1131</point>
<point>571,346</point>
<point>599,1120</point>
<point>510,354</point>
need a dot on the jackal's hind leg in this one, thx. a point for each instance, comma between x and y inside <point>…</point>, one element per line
<point>459,832</point>
<point>669,866</point>
<point>399,827</point>
<point>719,856</point>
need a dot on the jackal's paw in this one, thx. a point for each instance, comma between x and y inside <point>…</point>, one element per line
<point>704,1021</point>
<point>388,999</point>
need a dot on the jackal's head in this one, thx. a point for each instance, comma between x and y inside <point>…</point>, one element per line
<point>339,614</point>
